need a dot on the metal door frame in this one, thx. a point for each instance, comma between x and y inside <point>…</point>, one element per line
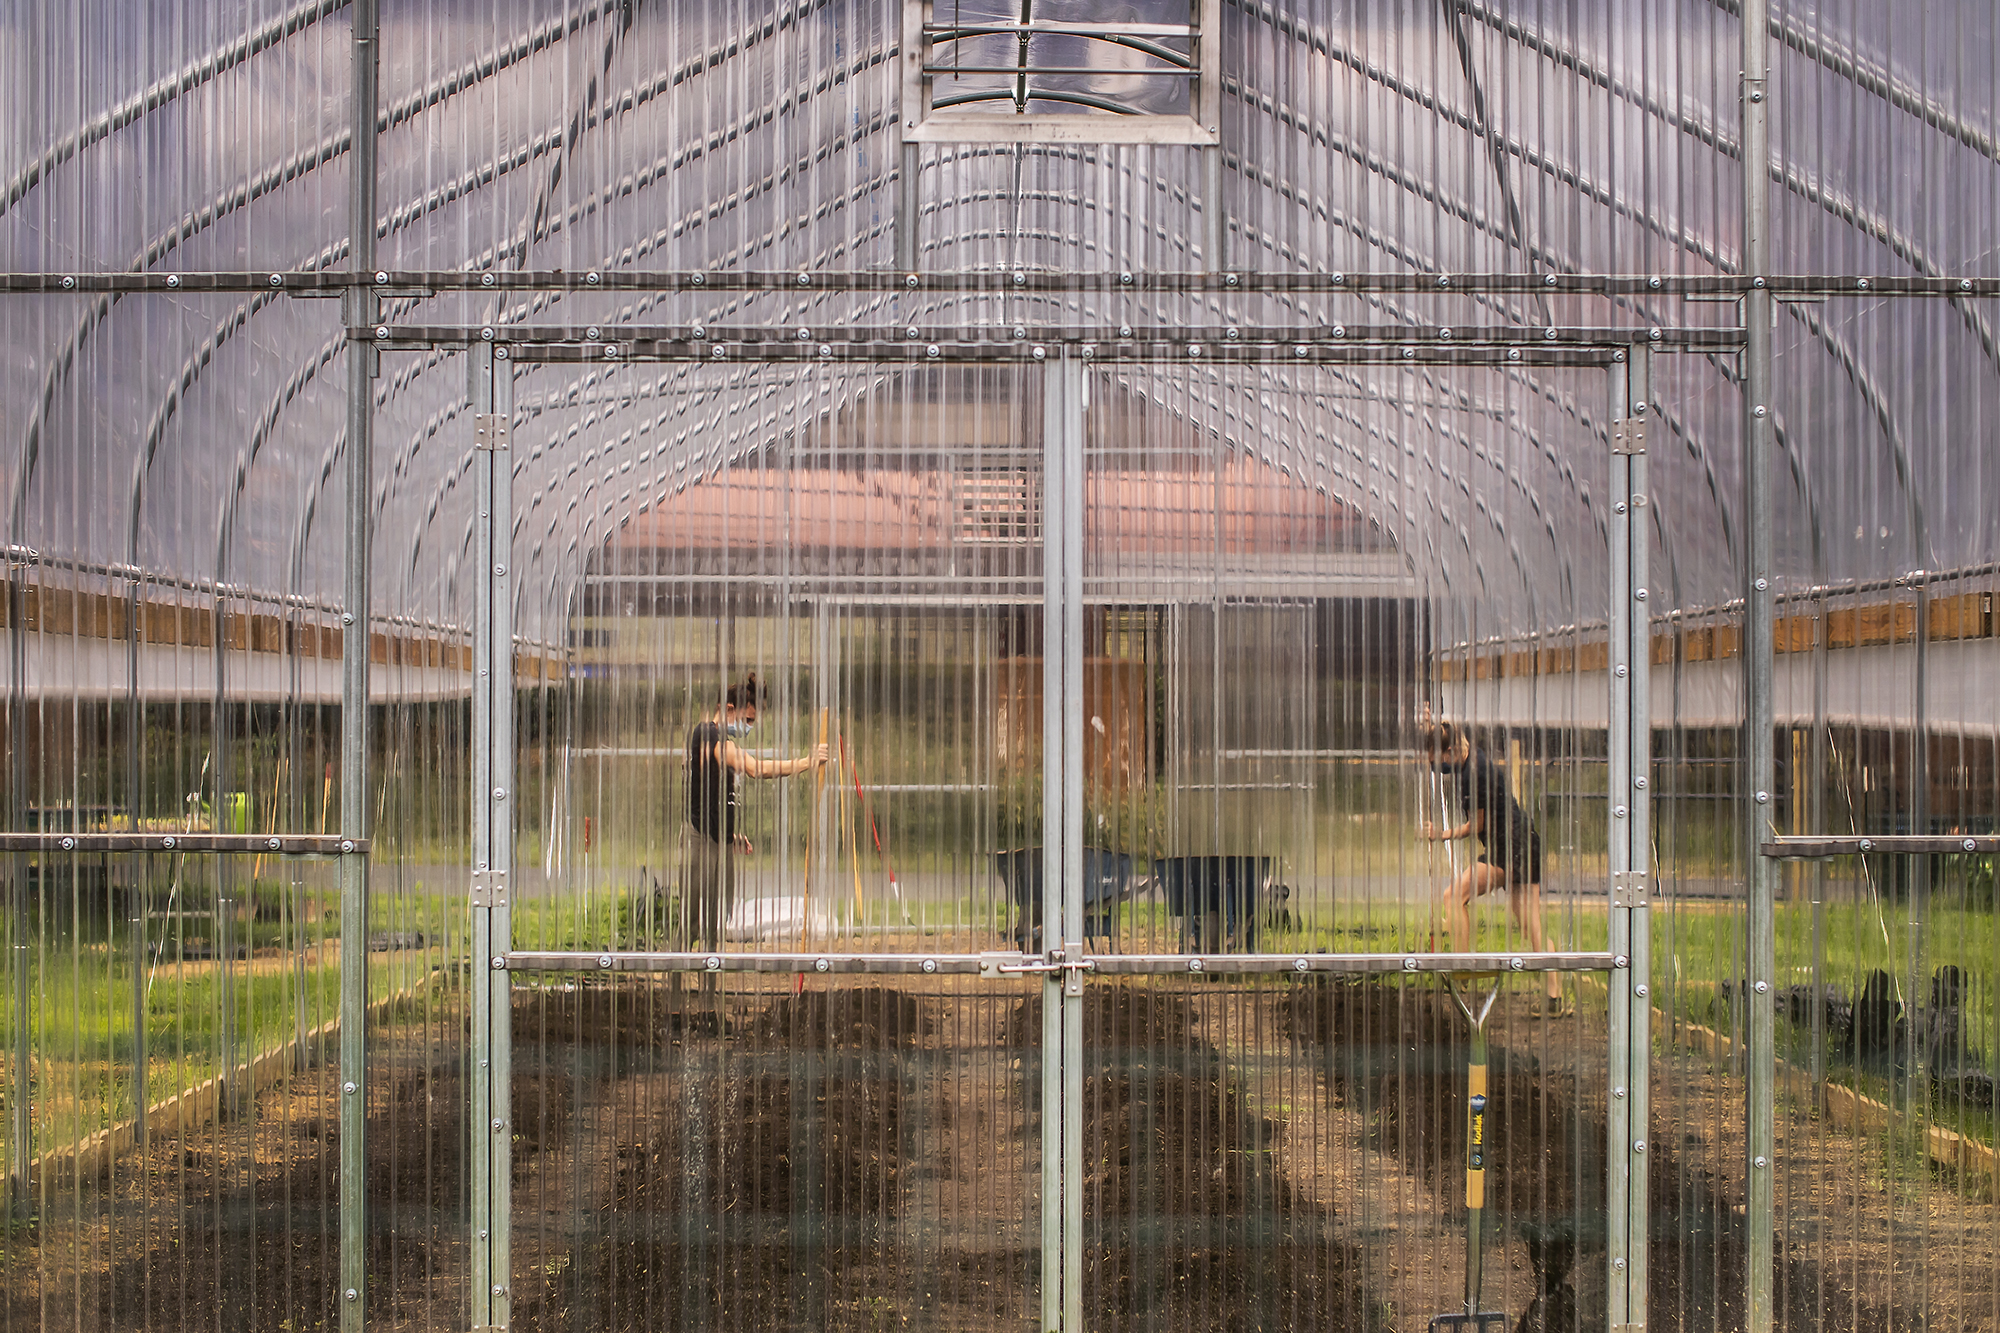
<point>1626,359</point>
<point>490,1174</point>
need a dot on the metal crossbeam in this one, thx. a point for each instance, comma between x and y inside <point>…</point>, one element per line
<point>238,844</point>
<point>1808,848</point>
<point>1007,964</point>
<point>1194,354</point>
<point>391,282</point>
<point>848,340</point>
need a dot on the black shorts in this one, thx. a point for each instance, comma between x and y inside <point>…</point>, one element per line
<point>1522,861</point>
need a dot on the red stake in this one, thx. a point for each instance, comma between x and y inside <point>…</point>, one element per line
<point>867,809</point>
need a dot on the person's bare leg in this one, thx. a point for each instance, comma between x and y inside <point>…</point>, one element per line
<point>1458,912</point>
<point>1526,901</point>
<point>1478,880</point>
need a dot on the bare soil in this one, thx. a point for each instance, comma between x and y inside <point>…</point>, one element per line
<point>235,1225</point>
<point>1846,1259</point>
<point>871,1161</point>
<point>1189,1222</point>
<point>1256,1157</point>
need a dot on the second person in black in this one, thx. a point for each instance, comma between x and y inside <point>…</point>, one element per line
<point>1510,854</point>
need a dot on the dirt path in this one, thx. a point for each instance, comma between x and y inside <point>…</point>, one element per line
<point>1267,1157</point>
<point>1411,1237</point>
<point>1870,1235</point>
<point>234,1224</point>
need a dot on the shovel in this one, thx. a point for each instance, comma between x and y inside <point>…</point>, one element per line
<point>1474,1320</point>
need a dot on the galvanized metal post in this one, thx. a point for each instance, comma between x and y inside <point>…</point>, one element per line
<point>362,364</point>
<point>1070,373</point>
<point>1618,1117</point>
<point>1759,761</point>
<point>135,783</point>
<point>1206,99</point>
<point>913,105</point>
<point>1630,795</point>
<point>493,800</point>
<point>1055,520</point>
<point>906,210</point>
<point>21,1123</point>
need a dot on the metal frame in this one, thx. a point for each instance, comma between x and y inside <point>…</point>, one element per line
<point>848,342</point>
<point>1624,354</point>
<point>1062,773</point>
<point>323,283</point>
<point>363,306</point>
<point>1815,847</point>
<point>1629,789</point>
<point>232,844</point>
<point>1060,964</point>
<point>491,375</point>
<point>1759,644</point>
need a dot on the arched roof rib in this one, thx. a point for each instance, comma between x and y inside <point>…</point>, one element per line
<point>197,221</point>
<point>1216,399</point>
<point>1843,355</point>
<point>1842,62</point>
<point>1846,64</point>
<point>665,233</point>
<point>163,91</point>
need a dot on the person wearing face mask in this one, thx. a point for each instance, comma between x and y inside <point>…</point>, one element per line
<point>710,840</point>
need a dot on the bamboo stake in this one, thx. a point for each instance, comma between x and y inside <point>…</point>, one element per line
<point>853,849</point>
<point>805,895</point>
<point>867,812</point>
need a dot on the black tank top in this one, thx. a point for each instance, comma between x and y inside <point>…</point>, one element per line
<point>1482,785</point>
<point>711,784</point>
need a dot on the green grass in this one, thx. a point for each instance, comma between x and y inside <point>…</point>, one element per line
<point>200,1019</point>
<point>1697,948</point>
<point>82,993</point>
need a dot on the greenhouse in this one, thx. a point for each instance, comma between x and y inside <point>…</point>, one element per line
<point>974,664</point>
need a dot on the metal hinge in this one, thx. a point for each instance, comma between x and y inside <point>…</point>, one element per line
<point>1629,889</point>
<point>1629,436</point>
<point>489,888</point>
<point>490,430</point>
<point>1628,1328</point>
<point>1053,962</point>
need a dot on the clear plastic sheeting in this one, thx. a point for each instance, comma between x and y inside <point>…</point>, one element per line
<point>678,666</point>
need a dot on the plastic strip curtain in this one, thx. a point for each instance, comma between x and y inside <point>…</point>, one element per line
<point>737,1149</point>
<point>1270,607</point>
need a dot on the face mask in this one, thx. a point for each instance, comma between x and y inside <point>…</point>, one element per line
<point>738,727</point>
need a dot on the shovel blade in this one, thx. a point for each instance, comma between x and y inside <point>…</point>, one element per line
<point>1494,1320</point>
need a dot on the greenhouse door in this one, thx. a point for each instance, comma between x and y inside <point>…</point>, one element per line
<point>1265,1066</point>
<point>823,1106</point>
<point>1130,1011</point>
